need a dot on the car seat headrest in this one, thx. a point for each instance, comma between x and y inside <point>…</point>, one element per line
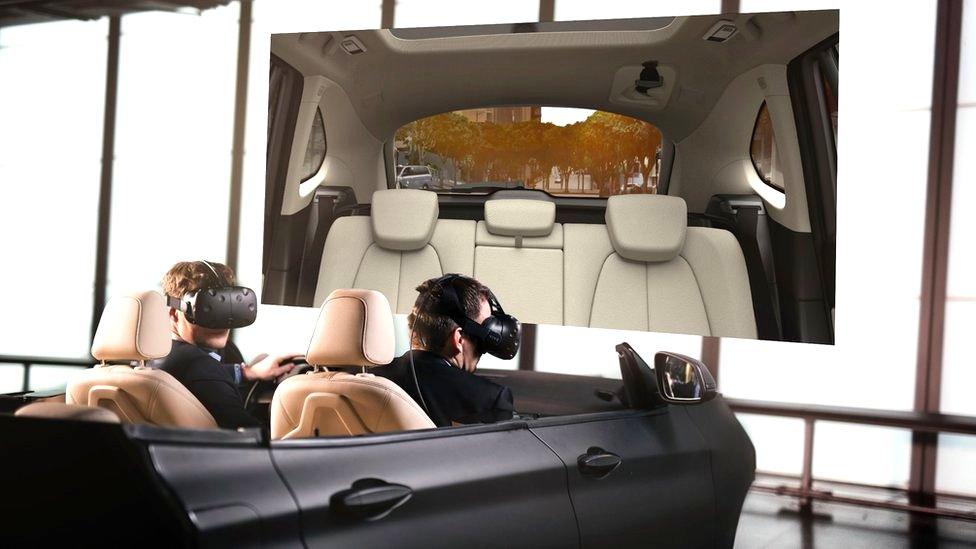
<point>355,328</point>
<point>133,327</point>
<point>647,227</point>
<point>519,217</point>
<point>403,219</point>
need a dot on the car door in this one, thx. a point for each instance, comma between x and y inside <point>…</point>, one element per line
<point>637,478</point>
<point>470,486</point>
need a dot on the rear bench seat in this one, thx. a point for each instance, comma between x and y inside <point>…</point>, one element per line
<point>644,270</point>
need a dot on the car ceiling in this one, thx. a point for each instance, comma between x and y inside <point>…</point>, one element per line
<point>396,81</point>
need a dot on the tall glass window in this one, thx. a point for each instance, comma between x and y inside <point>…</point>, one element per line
<point>436,13</point>
<point>955,472</point>
<point>879,268</point>
<point>570,10</point>
<point>52,101</point>
<point>173,143</point>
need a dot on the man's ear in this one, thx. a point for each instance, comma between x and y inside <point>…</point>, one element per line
<point>455,342</point>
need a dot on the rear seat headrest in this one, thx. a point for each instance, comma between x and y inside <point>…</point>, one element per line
<point>403,219</point>
<point>133,327</point>
<point>647,227</point>
<point>519,217</point>
<point>355,328</point>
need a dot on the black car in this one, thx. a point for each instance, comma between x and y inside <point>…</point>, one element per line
<point>655,459</point>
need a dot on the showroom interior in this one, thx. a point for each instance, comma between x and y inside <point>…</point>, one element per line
<point>109,122</point>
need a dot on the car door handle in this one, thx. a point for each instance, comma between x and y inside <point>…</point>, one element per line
<point>597,462</point>
<point>370,499</point>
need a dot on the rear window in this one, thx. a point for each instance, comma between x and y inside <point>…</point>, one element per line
<point>569,152</point>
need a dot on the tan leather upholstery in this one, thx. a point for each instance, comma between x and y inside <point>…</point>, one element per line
<point>60,410</point>
<point>340,404</point>
<point>355,328</point>
<point>135,328</point>
<point>399,246</point>
<point>140,395</point>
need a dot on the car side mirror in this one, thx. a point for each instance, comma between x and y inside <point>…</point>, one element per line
<point>683,380</point>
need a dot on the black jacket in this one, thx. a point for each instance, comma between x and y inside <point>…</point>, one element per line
<point>451,394</point>
<point>211,381</point>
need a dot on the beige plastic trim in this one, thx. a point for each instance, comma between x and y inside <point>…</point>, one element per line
<point>715,158</point>
<point>354,157</point>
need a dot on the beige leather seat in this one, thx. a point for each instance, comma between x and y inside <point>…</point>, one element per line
<point>355,328</point>
<point>647,270</point>
<point>401,244</point>
<point>135,328</point>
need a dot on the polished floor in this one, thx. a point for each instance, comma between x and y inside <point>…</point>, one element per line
<point>770,521</point>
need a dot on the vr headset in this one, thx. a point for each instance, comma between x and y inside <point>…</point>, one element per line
<point>220,306</point>
<point>498,335</point>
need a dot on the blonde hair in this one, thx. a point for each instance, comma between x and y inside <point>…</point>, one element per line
<point>189,276</point>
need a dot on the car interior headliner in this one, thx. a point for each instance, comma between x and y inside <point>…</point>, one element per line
<point>397,80</point>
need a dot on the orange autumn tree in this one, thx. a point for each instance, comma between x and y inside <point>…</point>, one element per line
<point>608,147</point>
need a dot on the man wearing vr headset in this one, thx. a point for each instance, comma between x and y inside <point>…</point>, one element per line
<point>456,320</point>
<point>204,306</point>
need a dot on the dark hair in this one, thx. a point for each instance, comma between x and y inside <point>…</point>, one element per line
<point>430,327</point>
<point>189,276</point>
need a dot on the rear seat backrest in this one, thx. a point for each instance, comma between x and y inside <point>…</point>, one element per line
<point>648,271</point>
<point>519,255</point>
<point>399,246</point>
<point>644,270</point>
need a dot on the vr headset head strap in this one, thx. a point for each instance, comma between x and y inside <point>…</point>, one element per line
<point>218,278</point>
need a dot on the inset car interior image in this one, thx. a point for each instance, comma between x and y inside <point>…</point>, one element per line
<point>644,174</point>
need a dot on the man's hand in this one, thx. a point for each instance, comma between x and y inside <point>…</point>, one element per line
<point>264,367</point>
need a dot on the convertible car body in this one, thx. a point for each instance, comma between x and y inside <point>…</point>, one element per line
<point>577,468</point>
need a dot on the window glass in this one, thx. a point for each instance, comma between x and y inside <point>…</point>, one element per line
<point>959,368</point>
<point>315,152</point>
<point>830,96</point>
<point>571,152</point>
<point>882,155</point>
<point>882,454</point>
<point>778,442</point>
<point>47,377</point>
<point>173,143</point>
<point>954,471</point>
<point>763,150</point>
<point>436,13</point>
<point>11,378</point>
<point>590,351</point>
<point>52,99</point>
<point>569,10</point>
